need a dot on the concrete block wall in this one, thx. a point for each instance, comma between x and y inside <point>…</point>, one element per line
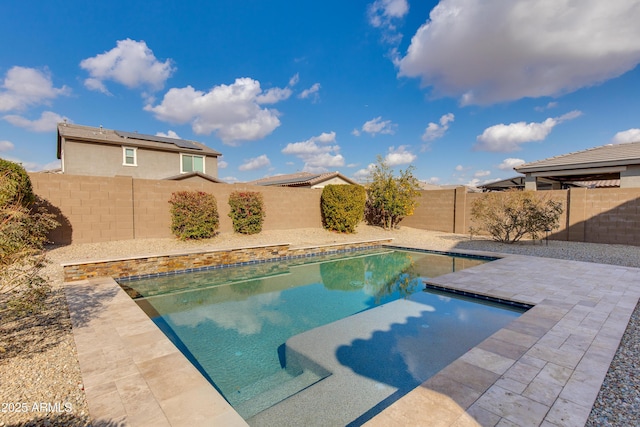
<point>99,209</point>
<point>434,212</point>
<point>612,216</point>
<point>606,215</point>
<point>90,209</point>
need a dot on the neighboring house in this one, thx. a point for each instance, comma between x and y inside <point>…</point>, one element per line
<point>85,150</point>
<point>305,180</point>
<point>427,186</point>
<point>517,182</point>
<point>605,164</point>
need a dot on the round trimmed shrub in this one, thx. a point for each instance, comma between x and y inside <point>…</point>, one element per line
<point>247,211</point>
<point>194,215</point>
<point>342,207</point>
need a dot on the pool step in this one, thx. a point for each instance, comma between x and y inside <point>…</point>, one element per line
<point>264,394</point>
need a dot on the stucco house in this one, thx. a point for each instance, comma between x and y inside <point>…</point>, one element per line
<point>598,166</point>
<point>85,150</point>
<point>305,180</point>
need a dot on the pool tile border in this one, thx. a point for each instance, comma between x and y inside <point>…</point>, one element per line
<point>476,295</point>
<point>247,263</point>
<point>147,266</point>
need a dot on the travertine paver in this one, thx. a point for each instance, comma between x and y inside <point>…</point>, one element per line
<point>545,368</point>
<point>567,342</point>
<point>132,374</point>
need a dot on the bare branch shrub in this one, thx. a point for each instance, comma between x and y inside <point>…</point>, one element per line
<point>510,215</point>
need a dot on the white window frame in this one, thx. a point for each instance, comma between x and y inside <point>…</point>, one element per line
<point>204,163</point>
<point>124,156</point>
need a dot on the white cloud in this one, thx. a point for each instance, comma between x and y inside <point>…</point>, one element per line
<point>231,111</point>
<point>549,106</point>
<point>130,63</point>
<point>384,15</point>
<point>277,94</point>
<point>435,130</point>
<point>481,173</point>
<point>363,175</point>
<point>399,156</point>
<point>25,87</point>
<point>433,180</point>
<point>510,163</point>
<point>47,122</point>
<point>376,126</point>
<point>230,179</point>
<point>473,183</point>
<point>34,166</point>
<point>507,138</point>
<point>312,93</point>
<point>255,163</point>
<point>222,164</point>
<point>380,11</point>
<point>459,168</point>
<point>630,135</point>
<point>169,134</point>
<point>317,153</point>
<point>6,145</point>
<point>502,50</point>
<point>273,95</point>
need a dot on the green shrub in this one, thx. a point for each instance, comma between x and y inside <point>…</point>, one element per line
<point>390,198</point>
<point>16,185</point>
<point>247,211</point>
<point>24,227</point>
<point>342,207</point>
<point>194,215</point>
<point>510,215</point>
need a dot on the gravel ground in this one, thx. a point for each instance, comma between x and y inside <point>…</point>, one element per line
<point>40,381</point>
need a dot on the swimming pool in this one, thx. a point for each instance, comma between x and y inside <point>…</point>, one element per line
<point>265,335</point>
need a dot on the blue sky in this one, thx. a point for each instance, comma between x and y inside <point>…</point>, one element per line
<point>462,90</point>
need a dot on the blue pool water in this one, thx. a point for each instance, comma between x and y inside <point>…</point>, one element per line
<point>258,332</point>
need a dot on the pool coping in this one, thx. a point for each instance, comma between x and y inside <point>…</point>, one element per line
<point>546,368</point>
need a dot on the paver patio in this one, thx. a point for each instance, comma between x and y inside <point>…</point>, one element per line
<point>545,368</point>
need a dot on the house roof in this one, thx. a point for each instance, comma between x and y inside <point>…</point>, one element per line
<point>300,179</point>
<point>518,183</point>
<point>183,176</point>
<point>601,183</point>
<point>597,157</point>
<point>428,186</point>
<point>115,137</point>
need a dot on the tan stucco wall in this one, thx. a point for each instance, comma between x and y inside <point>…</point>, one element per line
<point>106,160</point>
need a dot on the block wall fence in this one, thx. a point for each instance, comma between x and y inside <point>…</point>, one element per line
<point>99,209</point>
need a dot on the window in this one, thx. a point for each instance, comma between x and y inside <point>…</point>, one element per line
<point>129,157</point>
<point>192,163</point>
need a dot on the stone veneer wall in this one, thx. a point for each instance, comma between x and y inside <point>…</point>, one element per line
<point>196,261</point>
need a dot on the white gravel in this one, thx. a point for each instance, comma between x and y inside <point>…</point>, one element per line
<point>39,371</point>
